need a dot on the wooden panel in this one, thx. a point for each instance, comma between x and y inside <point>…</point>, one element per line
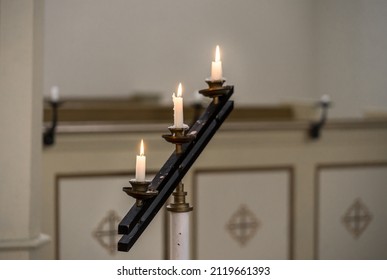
<point>89,210</point>
<point>351,212</point>
<point>244,214</point>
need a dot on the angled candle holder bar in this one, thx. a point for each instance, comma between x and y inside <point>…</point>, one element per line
<point>159,181</point>
<point>174,169</point>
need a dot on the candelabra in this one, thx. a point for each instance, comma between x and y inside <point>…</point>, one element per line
<point>189,143</point>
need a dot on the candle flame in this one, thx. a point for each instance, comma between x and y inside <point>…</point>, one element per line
<point>142,148</point>
<point>217,54</point>
<point>179,91</point>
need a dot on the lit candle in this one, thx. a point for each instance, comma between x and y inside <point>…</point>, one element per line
<point>178,108</point>
<point>54,93</point>
<point>140,164</point>
<point>216,67</point>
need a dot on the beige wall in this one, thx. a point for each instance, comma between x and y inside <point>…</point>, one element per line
<point>114,48</point>
<point>273,51</point>
<point>20,122</point>
<point>352,61</point>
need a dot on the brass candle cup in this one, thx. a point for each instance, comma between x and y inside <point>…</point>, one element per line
<point>140,191</point>
<point>178,137</point>
<point>214,90</point>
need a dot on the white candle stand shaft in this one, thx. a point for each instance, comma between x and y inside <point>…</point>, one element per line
<point>179,236</point>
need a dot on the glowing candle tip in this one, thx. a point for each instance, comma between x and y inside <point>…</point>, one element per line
<point>217,54</point>
<point>142,148</point>
<point>179,90</point>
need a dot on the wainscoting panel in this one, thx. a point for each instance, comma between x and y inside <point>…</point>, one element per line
<point>351,218</point>
<point>89,210</point>
<point>244,214</point>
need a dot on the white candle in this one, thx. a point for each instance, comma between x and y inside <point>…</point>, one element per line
<point>325,98</point>
<point>216,67</point>
<point>178,107</point>
<point>140,164</point>
<point>54,93</point>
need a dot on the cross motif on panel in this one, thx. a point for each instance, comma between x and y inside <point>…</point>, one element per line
<point>106,232</point>
<point>243,225</point>
<point>357,218</point>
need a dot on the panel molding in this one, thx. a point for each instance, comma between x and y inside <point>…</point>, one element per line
<point>333,166</point>
<point>287,168</point>
<point>100,174</point>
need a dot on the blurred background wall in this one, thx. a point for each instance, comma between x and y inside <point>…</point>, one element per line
<point>274,51</point>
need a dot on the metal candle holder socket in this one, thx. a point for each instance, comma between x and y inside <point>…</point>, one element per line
<point>179,204</point>
<point>215,89</point>
<point>139,190</point>
<point>178,137</point>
